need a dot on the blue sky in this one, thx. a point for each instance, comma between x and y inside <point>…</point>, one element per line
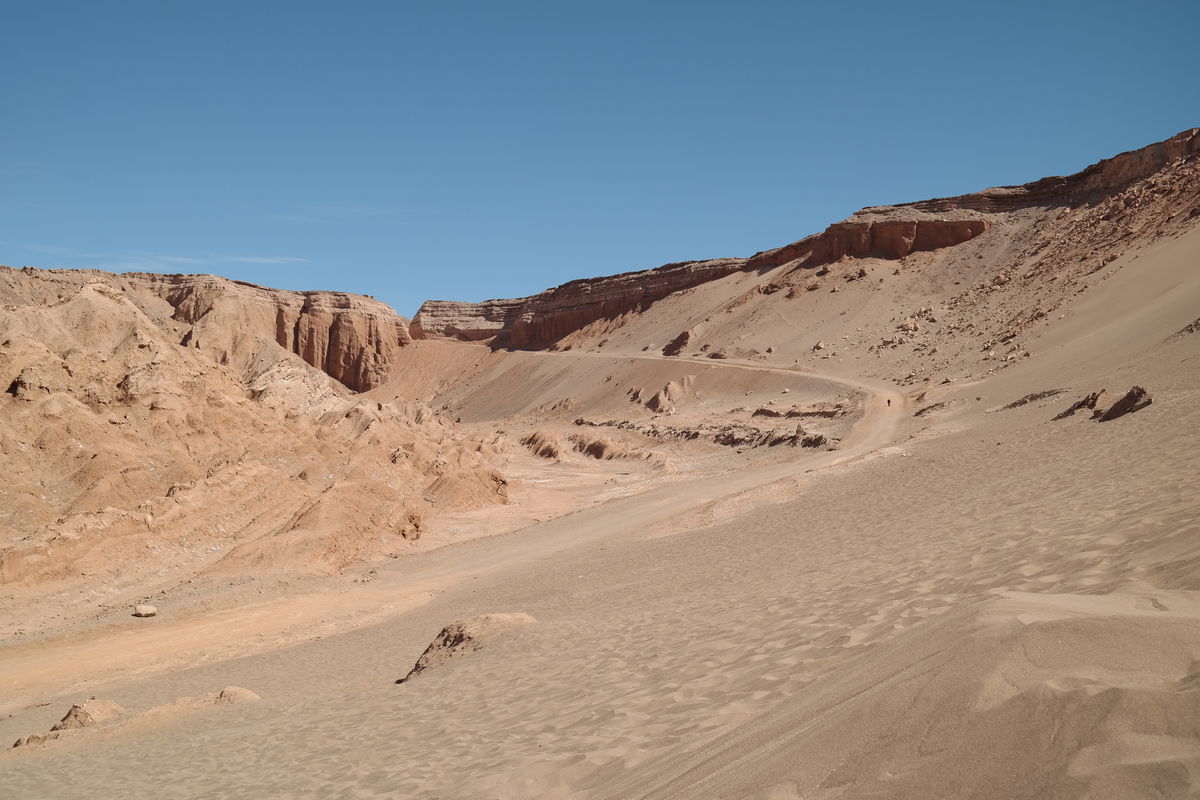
<point>467,150</point>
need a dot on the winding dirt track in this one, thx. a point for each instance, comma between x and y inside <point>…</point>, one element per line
<point>39,670</point>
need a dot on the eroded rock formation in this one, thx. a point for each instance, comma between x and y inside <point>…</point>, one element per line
<point>891,238</point>
<point>464,637</point>
<point>552,314</point>
<point>468,321</point>
<point>351,338</point>
<point>890,232</point>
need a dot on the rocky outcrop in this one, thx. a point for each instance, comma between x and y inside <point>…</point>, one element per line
<point>465,636</point>
<point>547,317</point>
<point>351,338</point>
<point>1135,399</point>
<point>89,712</point>
<point>467,321</point>
<point>892,239</point>
<point>121,447</point>
<point>1088,402</point>
<point>676,345</point>
<point>1103,177</point>
<point>890,232</point>
<point>543,444</point>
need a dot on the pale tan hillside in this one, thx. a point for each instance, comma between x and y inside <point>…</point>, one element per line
<point>136,464</point>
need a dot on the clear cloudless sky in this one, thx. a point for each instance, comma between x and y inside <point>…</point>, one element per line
<point>467,150</point>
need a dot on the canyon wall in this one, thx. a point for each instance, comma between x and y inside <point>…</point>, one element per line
<point>351,338</point>
<point>552,314</point>
<point>889,232</point>
<point>544,318</point>
<point>466,321</point>
<point>892,238</point>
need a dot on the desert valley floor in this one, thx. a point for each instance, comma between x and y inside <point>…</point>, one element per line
<point>811,524</point>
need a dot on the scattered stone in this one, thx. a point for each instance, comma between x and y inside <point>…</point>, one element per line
<point>1135,399</point>
<point>1031,398</point>
<point>89,712</point>
<point>1186,330</point>
<point>930,409</point>
<point>464,637</point>
<point>1088,402</point>
<point>145,610</point>
<point>37,738</point>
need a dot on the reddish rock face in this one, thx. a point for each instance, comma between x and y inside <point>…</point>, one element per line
<point>467,321</point>
<point>888,238</point>
<point>351,338</point>
<point>890,232</point>
<point>547,317</point>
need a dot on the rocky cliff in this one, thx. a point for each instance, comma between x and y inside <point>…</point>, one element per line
<point>889,232</point>
<point>467,321</point>
<point>896,231</point>
<point>546,317</point>
<point>349,337</point>
<point>130,460</point>
<point>550,315</point>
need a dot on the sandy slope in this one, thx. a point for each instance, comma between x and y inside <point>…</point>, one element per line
<point>651,655</point>
<point>40,667</point>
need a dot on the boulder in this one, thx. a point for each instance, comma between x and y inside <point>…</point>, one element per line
<point>1135,399</point>
<point>144,610</point>
<point>464,637</point>
<point>89,712</point>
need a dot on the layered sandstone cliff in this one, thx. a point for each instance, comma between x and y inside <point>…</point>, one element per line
<point>552,314</point>
<point>889,232</point>
<point>467,321</point>
<point>546,317</point>
<point>133,462</point>
<point>351,338</point>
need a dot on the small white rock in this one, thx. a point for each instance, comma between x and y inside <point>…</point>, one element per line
<point>145,610</point>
